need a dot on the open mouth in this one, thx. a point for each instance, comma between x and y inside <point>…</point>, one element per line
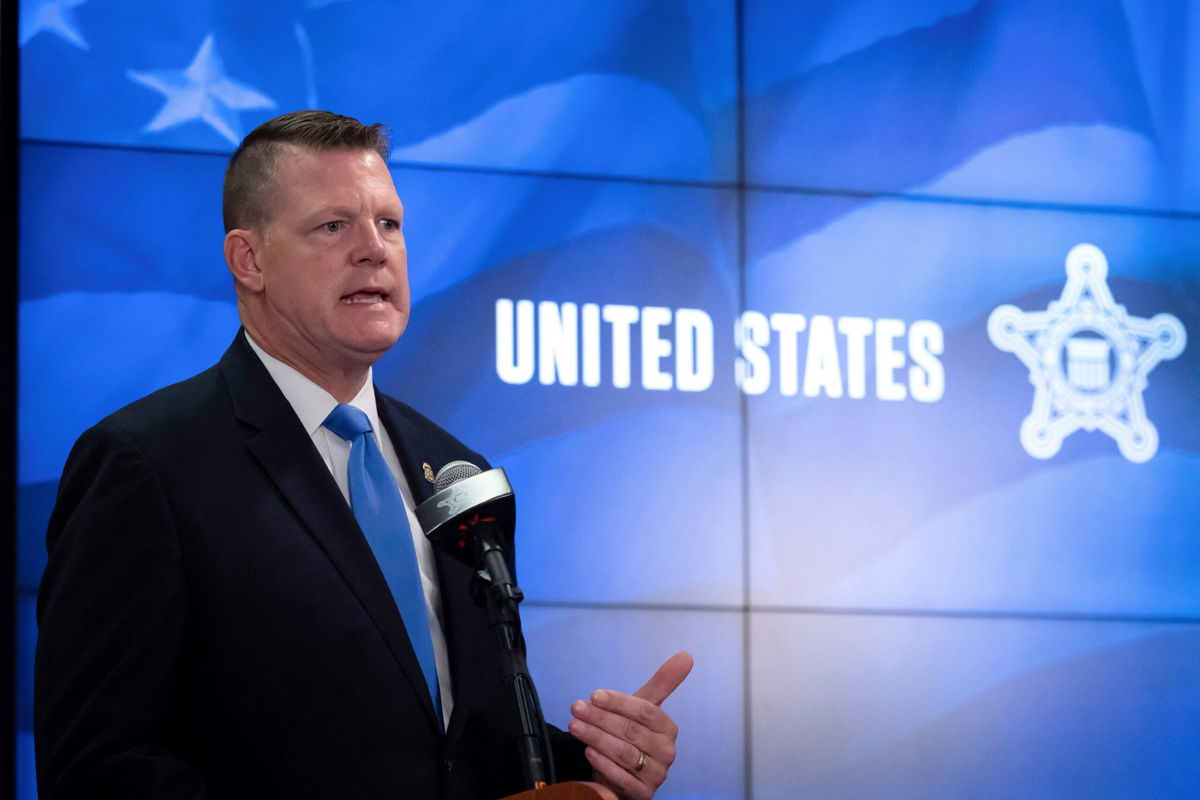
<point>365,297</point>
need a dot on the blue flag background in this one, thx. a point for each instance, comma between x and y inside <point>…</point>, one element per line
<point>886,593</point>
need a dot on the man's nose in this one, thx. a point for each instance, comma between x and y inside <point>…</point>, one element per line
<point>369,248</point>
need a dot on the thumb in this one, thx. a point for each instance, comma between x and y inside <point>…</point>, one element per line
<point>666,679</point>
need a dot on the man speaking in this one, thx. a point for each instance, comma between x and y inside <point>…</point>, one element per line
<point>238,602</point>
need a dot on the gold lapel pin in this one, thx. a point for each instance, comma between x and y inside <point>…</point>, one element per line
<point>428,470</point>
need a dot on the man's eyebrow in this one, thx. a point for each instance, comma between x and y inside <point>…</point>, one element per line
<point>345,212</point>
<point>328,212</point>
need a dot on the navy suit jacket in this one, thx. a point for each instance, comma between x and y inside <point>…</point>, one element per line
<point>213,623</point>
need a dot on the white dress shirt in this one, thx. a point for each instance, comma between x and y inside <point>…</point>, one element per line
<point>312,405</point>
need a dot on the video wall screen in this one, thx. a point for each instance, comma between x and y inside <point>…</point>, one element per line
<point>887,402</point>
<point>860,706</point>
<point>849,344</point>
<point>1019,100</point>
<point>627,88</point>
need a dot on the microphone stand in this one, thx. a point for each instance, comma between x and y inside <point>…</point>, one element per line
<point>501,597</point>
<point>464,518</point>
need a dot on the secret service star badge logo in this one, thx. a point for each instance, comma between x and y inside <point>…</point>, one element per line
<point>1088,360</point>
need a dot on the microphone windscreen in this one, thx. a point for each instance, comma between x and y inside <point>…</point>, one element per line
<point>454,472</point>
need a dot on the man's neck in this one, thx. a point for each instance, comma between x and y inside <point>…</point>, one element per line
<point>343,385</point>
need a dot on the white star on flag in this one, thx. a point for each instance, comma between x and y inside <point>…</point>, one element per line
<point>201,91</point>
<point>55,16</point>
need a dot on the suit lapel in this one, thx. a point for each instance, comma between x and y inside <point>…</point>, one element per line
<point>281,445</point>
<point>411,446</point>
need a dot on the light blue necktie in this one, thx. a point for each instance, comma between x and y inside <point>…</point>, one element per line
<point>380,513</point>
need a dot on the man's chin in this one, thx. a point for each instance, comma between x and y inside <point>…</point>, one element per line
<point>374,344</point>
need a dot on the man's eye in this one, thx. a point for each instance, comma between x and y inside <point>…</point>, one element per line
<point>332,227</point>
<point>389,224</point>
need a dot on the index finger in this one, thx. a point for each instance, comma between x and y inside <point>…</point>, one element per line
<point>666,679</point>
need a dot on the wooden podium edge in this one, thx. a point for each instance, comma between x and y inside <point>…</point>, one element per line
<point>571,790</point>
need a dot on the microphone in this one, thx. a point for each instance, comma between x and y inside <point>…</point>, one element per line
<point>471,518</point>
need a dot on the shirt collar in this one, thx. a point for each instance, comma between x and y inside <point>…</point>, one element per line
<point>311,403</point>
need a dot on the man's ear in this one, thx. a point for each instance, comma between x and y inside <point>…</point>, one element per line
<point>241,256</point>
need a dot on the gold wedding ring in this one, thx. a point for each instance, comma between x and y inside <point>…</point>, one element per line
<point>641,761</point>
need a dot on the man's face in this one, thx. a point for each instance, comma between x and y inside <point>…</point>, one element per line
<point>334,266</point>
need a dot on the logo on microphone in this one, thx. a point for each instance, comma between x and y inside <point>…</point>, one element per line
<point>1088,360</point>
<point>455,503</point>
